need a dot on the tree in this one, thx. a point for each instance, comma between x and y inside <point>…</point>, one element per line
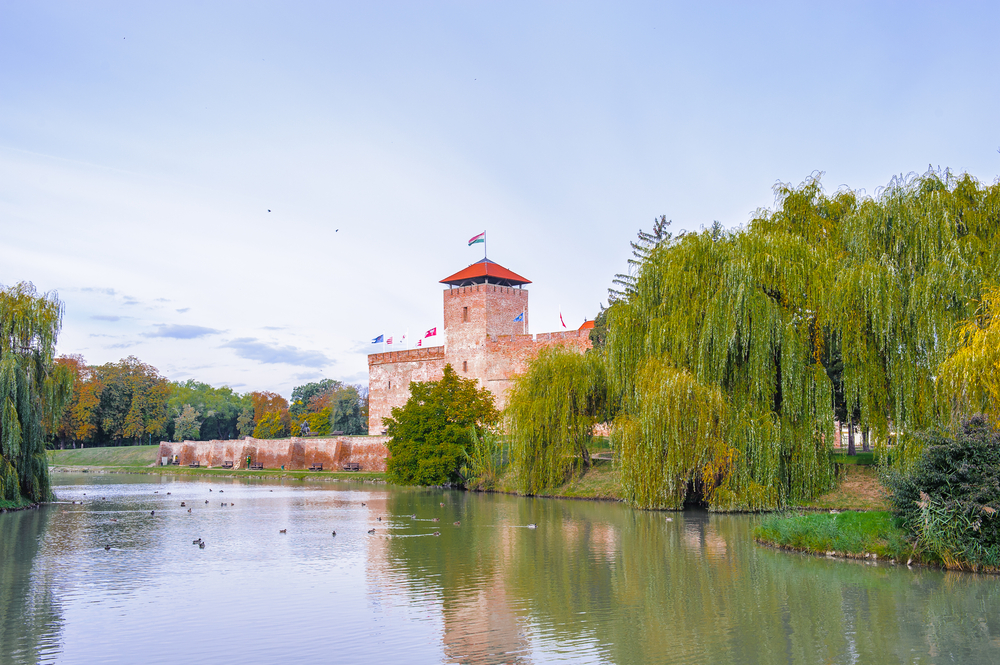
<point>131,401</point>
<point>32,393</point>
<point>551,410</point>
<point>221,407</point>
<point>345,406</point>
<point>429,434</point>
<point>187,424</point>
<point>271,426</point>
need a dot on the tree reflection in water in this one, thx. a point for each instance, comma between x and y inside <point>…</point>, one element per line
<point>30,618</point>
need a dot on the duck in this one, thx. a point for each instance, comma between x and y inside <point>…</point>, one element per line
<point>379,518</point>
<point>206,500</point>
<point>201,545</point>
<point>168,493</point>
<point>532,526</point>
<point>437,533</point>
<point>189,510</point>
<point>334,533</point>
<point>459,523</point>
<point>195,542</point>
<point>182,504</point>
<point>107,548</point>
<point>283,531</point>
<point>435,520</point>
<point>152,512</point>
<point>363,504</point>
<point>441,504</point>
<point>371,530</point>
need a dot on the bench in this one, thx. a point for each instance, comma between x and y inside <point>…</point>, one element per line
<point>352,466</point>
<point>316,466</point>
<point>194,465</point>
<point>228,464</point>
<point>259,466</point>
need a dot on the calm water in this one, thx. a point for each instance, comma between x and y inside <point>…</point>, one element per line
<point>593,583</point>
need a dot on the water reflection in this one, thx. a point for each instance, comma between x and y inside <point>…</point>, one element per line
<point>30,618</point>
<point>593,582</point>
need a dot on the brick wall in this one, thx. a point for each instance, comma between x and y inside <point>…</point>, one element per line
<point>389,376</point>
<point>294,453</point>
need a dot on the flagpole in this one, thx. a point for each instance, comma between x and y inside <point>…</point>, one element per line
<point>484,245</point>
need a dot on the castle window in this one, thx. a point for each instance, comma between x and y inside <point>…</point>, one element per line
<point>465,365</point>
<point>390,385</point>
<point>465,314</point>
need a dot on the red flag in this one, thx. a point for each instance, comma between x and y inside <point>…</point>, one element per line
<point>389,341</point>
<point>560,321</point>
<point>420,342</point>
<point>431,332</point>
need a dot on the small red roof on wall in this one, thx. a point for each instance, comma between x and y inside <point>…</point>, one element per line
<point>485,272</point>
<point>587,325</point>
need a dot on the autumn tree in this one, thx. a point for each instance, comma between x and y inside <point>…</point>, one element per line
<point>274,408</point>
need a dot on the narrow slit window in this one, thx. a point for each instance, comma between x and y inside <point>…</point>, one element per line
<point>465,365</point>
<point>465,314</point>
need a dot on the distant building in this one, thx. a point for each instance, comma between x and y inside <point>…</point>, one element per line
<point>485,338</point>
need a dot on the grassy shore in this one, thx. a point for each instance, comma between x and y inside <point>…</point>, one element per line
<point>860,535</point>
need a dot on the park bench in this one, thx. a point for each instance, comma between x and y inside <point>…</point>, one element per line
<point>228,464</point>
<point>259,466</point>
<point>352,466</point>
<point>194,465</point>
<point>316,466</point>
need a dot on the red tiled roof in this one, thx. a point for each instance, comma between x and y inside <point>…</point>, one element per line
<point>480,271</point>
<point>587,325</point>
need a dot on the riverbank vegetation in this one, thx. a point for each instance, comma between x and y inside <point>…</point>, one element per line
<point>730,356</point>
<point>33,390</point>
<point>130,403</point>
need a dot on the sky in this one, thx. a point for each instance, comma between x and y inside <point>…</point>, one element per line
<point>247,193</point>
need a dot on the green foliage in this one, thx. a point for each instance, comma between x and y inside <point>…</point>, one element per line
<point>346,406</point>
<point>302,395</point>
<point>486,461</point>
<point>969,380</point>
<point>829,304</point>
<point>430,432</point>
<point>551,410</point>
<point>949,501</point>
<point>850,532</point>
<point>32,392</point>
<point>187,424</point>
<point>271,426</point>
<point>220,409</point>
<point>244,423</point>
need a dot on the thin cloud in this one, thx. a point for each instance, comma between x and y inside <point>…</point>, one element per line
<point>123,345</point>
<point>97,289</point>
<point>106,317</point>
<point>175,331</point>
<point>183,309</point>
<point>254,349</point>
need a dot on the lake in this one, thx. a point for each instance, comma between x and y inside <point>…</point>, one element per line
<point>592,583</point>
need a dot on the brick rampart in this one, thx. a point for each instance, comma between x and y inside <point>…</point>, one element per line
<point>294,453</point>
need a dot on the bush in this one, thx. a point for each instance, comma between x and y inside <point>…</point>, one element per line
<point>430,432</point>
<point>949,501</point>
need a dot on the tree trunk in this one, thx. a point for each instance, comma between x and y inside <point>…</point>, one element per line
<point>864,441</point>
<point>850,438</point>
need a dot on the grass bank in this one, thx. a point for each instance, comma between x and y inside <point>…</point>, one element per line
<point>117,456</point>
<point>20,504</point>
<point>859,535</point>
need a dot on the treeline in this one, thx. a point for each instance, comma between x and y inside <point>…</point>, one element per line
<point>129,402</point>
<point>726,357</point>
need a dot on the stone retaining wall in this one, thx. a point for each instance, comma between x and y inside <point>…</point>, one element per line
<point>294,453</point>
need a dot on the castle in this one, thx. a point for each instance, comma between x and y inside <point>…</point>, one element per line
<point>485,338</point>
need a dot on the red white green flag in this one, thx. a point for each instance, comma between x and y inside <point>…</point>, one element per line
<point>477,239</point>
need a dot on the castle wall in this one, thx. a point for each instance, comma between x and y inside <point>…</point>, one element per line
<point>389,377</point>
<point>294,453</point>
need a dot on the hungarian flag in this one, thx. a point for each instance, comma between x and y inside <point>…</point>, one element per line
<point>378,340</point>
<point>420,342</point>
<point>431,332</point>
<point>389,341</point>
<point>476,239</point>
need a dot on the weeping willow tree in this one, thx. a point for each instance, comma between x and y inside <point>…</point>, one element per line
<point>732,353</point>
<point>969,380</point>
<point>32,390</point>
<point>551,410</point>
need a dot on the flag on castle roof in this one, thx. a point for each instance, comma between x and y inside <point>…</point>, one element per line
<point>485,272</point>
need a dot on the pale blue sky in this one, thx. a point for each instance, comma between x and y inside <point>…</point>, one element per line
<point>141,147</point>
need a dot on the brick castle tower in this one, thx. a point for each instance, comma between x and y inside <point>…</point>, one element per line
<point>486,338</point>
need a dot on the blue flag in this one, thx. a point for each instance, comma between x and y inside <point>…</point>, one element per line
<point>378,340</point>
<point>519,317</point>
